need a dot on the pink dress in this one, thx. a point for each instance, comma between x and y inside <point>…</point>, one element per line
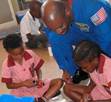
<point>102,77</point>
<point>14,72</point>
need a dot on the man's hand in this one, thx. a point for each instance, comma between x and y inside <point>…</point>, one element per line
<point>66,77</point>
<point>85,97</point>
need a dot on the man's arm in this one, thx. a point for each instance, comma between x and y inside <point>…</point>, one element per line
<point>59,56</point>
<point>63,56</point>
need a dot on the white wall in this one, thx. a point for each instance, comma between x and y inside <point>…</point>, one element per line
<point>15,5</point>
<point>11,22</point>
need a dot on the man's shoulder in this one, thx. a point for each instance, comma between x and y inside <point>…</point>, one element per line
<point>95,5</point>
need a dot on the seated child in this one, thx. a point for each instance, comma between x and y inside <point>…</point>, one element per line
<point>21,71</point>
<point>31,26</point>
<point>89,58</point>
<point>12,98</point>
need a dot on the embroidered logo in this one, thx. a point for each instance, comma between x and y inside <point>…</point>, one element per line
<point>99,17</point>
<point>82,26</point>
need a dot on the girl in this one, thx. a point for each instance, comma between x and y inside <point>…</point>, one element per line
<point>89,58</point>
<point>21,71</point>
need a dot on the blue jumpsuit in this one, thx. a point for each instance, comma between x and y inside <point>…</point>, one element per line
<point>11,98</point>
<point>92,21</point>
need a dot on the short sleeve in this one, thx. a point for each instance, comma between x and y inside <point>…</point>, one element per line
<point>107,71</point>
<point>6,74</point>
<point>38,61</point>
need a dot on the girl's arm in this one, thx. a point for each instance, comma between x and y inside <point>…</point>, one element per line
<point>28,83</point>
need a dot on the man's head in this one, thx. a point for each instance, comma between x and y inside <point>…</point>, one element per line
<point>14,46</point>
<point>86,55</point>
<point>35,7</point>
<point>56,14</point>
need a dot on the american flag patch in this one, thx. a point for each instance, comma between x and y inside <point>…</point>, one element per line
<point>99,17</point>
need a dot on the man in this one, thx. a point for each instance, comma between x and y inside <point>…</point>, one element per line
<point>61,44</point>
<point>30,26</point>
<point>88,20</point>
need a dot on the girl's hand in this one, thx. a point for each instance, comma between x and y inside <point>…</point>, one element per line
<point>40,83</point>
<point>29,83</point>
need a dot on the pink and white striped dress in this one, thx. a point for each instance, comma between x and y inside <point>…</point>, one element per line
<point>16,73</point>
<point>102,77</point>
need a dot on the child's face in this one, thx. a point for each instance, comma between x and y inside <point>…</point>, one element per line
<point>89,66</point>
<point>17,53</point>
<point>37,14</point>
<point>37,11</point>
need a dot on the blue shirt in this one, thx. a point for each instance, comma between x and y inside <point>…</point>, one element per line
<point>87,25</point>
<point>11,98</point>
<point>90,22</point>
<point>62,47</point>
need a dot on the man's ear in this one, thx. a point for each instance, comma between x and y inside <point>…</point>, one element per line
<point>68,14</point>
<point>68,11</point>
